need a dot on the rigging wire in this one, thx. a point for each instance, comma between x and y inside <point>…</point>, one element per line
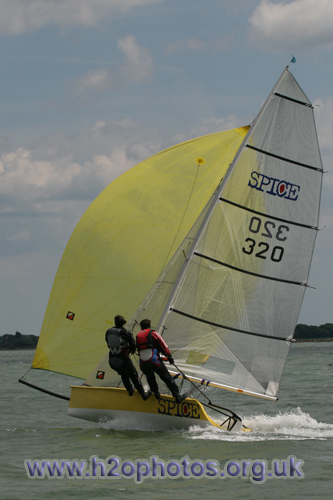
<point>210,404</point>
<point>26,373</point>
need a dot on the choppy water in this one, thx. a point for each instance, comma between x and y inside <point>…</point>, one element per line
<point>36,426</point>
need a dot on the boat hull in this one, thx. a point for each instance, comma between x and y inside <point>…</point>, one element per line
<point>107,403</point>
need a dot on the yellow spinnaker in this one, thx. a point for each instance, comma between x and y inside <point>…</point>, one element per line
<point>121,244</point>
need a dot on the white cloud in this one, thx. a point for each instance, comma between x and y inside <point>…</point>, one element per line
<point>195,43</point>
<point>96,80</point>
<point>208,126</point>
<point>22,235</point>
<point>324,121</point>
<point>299,23</point>
<point>137,67</point>
<point>138,64</point>
<point>20,16</point>
<point>181,45</point>
<point>52,167</point>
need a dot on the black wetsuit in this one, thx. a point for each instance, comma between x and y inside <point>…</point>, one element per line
<point>119,359</point>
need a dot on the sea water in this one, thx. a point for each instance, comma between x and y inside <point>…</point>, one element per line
<point>35,426</point>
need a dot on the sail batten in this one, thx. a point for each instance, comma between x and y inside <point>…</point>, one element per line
<point>249,272</point>
<point>283,159</point>
<point>309,105</point>
<point>228,327</point>
<point>268,215</point>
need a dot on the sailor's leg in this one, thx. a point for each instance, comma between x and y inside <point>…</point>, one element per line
<point>127,383</point>
<point>148,369</point>
<point>123,372</point>
<point>133,374</point>
<point>164,375</point>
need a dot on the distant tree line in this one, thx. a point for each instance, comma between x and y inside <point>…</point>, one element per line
<point>18,341</point>
<point>302,333</point>
<point>305,332</point>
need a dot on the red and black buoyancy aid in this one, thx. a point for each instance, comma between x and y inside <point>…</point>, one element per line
<point>150,344</point>
<point>145,339</point>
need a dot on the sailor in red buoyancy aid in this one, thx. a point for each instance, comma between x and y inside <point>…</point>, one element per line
<point>121,343</point>
<point>149,344</point>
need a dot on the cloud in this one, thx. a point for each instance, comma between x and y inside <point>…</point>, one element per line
<point>22,235</point>
<point>52,167</point>
<point>96,80</point>
<point>300,23</point>
<point>181,45</point>
<point>21,16</point>
<point>137,67</point>
<point>46,186</point>
<point>195,44</point>
<point>208,126</point>
<point>138,64</point>
<point>324,121</point>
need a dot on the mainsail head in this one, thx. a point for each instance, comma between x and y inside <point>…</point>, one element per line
<point>228,302</point>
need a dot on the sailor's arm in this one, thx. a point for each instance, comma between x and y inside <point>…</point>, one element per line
<point>130,340</point>
<point>162,346</point>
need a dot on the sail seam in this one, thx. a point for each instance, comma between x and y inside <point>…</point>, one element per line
<point>249,272</point>
<point>283,158</point>
<point>267,215</point>
<point>308,105</point>
<point>229,327</point>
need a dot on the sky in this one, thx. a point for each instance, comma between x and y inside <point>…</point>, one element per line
<point>89,88</point>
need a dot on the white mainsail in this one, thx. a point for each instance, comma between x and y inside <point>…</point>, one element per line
<point>228,302</point>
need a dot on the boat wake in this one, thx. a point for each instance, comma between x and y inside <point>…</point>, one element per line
<point>291,425</point>
<point>128,424</point>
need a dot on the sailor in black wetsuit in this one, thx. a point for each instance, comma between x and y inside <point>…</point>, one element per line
<point>121,343</point>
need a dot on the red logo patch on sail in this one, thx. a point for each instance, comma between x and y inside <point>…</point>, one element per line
<point>100,375</point>
<point>282,187</point>
<point>70,315</point>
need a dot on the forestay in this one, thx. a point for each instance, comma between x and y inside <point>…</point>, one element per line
<point>228,302</point>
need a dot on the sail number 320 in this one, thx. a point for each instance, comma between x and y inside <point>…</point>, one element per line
<point>267,229</point>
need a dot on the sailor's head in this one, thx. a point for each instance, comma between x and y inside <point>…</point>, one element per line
<point>119,321</point>
<point>145,323</point>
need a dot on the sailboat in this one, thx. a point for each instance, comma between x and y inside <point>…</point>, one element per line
<point>212,240</point>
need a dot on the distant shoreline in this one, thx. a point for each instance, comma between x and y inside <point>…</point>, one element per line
<point>313,340</point>
<point>303,333</point>
<point>18,342</point>
<point>19,348</point>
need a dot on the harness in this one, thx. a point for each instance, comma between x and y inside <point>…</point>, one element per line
<point>116,343</point>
